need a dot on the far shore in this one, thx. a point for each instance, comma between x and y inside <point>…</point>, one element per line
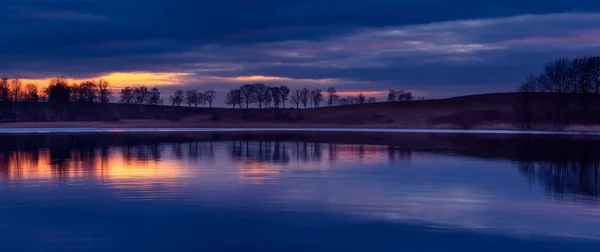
<point>246,125</point>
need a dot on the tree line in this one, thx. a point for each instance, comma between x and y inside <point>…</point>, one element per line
<point>259,95</point>
<point>569,79</point>
<point>263,96</point>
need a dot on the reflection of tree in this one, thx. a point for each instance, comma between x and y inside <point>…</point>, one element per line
<point>565,177</point>
<point>259,151</point>
<point>398,153</point>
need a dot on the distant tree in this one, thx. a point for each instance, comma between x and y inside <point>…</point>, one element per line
<point>154,97</point>
<point>408,96</point>
<point>201,99</point>
<point>141,94</point>
<point>127,95</point>
<point>87,92</point>
<point>285,94</point>
<point>247,92</point>
<point>209,97</point>
<point>296,98</point>
<point>191,97</point>
<point>276,96</point>
<point>361,98</point>
<point>58,91</point>
<point>304,96</point>
<point>31,93</point>
<point>232,97</point>
<point>316,97</point>
<point>372,100</point>
<point>331,94</point>
<point>16,91</point>
<point>177,98</point>
<point>392,95</point>
<point>343,101</point>
<point>259,93</point>
<point>4,90</point>
<point>103,91</point>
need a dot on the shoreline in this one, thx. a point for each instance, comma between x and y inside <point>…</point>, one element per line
<point>165,126</point>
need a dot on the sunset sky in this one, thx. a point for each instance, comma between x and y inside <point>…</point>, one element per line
<point>435,48</point>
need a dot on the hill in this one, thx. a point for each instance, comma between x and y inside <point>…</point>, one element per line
<point>484,111</point>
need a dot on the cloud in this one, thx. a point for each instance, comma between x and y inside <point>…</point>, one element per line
<point>414,45</point>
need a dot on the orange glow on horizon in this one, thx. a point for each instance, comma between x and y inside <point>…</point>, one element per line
<point>122,79</point>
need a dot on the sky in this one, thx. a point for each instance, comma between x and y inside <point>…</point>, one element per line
<point>434,48</point>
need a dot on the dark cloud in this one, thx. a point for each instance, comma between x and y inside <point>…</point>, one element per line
<point>461,45</point>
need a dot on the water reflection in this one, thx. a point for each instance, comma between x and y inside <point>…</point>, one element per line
<point>563,165</point>
<point>497,184</point>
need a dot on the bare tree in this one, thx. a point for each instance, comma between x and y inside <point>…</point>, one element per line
<point>372,100</point>
<point>260,92</point>
<point>209,97</point>
<point>201,99</point>
<point>141,94</point>
<point>191,97</point>
<point>361,98</point>
<point>392,95</point>
<point>276,96</point>
<point>285,94</point>
<point>304,95</point>
<point>4,90</point>
<point>103,90</point>
<point>247,92</point>
<point>331,94</point>
<point>127,95</point>
<point>232,97</point>
<point>31,93</point>
<point>16,89</point>
<point>87,92</point>
<point>316,97</point>
<point>154,97</point>
<point>177,98</point>
<point>296,98</point>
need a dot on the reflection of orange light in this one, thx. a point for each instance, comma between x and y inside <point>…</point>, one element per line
<point>257,172</point>
<point>23,165</point>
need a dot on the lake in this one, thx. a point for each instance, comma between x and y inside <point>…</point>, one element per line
<point>298,191</point>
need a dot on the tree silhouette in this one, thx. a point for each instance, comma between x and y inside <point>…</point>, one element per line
<point>127,95</point>
<point>285,94</point>
<point>361,98</point>
<point>58,91</point>
<point>304,95</point>
<point>392,95</point>
<point>16,89</point>
<point>177,98</point>
<point>295,98</point>
<point>103,91</point>
<point>87,92</point>
<point>31,93</point>
<point>259,93</point>
<point>141,94</point>
<point>209,97</point>
<point>276,96</point>
<point>372,100</point>
<point>154,98</point>
<point>191,97</point>
<point>247,92</point>
<point>331,94</point>
<point>4,90</point>
<point>316,97</point>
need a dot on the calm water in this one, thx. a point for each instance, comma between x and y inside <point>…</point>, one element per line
<point>298,192</point>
